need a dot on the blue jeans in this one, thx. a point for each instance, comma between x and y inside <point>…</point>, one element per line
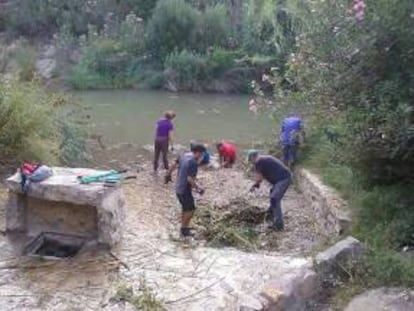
<point>277,192</point>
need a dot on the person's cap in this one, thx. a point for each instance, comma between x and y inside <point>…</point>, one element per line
<point>251,154</point>
<point>197,147</point>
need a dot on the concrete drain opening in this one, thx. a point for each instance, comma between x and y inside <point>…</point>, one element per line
<point>52,245</point>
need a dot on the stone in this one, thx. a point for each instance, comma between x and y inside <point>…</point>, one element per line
<point>251,303</point>
<point>46,67</point>
<point>383,299</point>
<point>61,204</point>
<point>327,262</point>
<point>331,212</point>
<point>291,290</point>
<point>49,51</point>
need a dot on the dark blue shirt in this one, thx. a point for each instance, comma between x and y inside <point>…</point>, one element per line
<point>187,167</point>
<point>272,169</point>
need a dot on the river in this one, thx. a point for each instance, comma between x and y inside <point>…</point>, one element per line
<point>129,116</point>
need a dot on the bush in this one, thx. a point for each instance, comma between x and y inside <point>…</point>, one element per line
<point>213,29</point>
<point>34,126</point>
<point>40,17</point>
<point>176,25</point>
<point>171,27</point>
<point>25,57</point>
<point>187,66</point>
<point>110,58</point>
<point>220,61</point>
<point>363,71</point>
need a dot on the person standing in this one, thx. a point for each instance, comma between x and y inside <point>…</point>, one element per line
<point>227,154</point>
<point>290,132</point>
<point>163,139</point>
<point>186,182</point>
<point>279,176</point>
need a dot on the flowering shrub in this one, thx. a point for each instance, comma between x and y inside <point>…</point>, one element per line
<point>354,69</point>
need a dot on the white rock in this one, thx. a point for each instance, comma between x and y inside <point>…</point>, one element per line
<point>290,291</point>
<point>327,261</point>
<point>45,67</point>
<point>389,299</point>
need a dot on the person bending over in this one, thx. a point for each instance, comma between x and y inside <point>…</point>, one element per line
<point>290,132</point>
<point>187,165</point>
<point>279,176</point>
<point>227,154</point>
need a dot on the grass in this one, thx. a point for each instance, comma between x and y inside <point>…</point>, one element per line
<point>144,300</point>
<point>383,219</point>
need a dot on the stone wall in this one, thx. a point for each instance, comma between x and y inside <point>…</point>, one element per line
<point>61,204</point>
<point>332,213</point>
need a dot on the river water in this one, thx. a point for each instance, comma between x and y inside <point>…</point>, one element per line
<point>129,116</point>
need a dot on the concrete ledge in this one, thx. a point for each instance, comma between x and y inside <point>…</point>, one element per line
<point>61,204</point>
<point>330,210</point>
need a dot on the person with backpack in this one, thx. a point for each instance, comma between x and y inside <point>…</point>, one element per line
<point>291,131</point>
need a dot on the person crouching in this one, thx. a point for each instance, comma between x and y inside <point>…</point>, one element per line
<point>227,152</point>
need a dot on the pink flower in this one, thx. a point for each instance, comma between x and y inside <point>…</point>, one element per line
<point>253,106</point>
<point>359,9</point>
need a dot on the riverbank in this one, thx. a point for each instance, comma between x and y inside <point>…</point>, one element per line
<point>153,261</point>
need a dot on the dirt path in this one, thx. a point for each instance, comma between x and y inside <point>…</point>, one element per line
<point>180,277</point>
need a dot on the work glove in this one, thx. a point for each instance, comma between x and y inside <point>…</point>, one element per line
<point>254,187</point>
<point>167,179</point>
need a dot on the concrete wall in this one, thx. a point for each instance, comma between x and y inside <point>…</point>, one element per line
<point>331,211</point>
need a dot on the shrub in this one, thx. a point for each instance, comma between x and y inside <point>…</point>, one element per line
<point>220,60</point>
<point>187,66</point>
<point>171,27</point>
<point>25,57</point>
<point>33,125</point>
<point>110,58</point>
<point>213,29</point>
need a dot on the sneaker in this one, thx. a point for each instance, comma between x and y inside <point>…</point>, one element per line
<point>276,227</point>
<point>186,232</point>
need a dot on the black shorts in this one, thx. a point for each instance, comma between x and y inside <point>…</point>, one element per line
<point>187,201</point>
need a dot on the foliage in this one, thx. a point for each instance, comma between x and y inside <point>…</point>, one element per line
<point>187,66</point>
<point>25,57</point>
<point>37,17</point>
<point>351,77</point>
<point>145,300</point>
<point>110,57</point>
<point>176,25</point>
<point>363,71</point>
<point>33,125</point>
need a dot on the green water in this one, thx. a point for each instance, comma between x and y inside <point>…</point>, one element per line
<point>129,116</point>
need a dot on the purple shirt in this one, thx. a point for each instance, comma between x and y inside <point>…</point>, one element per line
<point>164,127</point>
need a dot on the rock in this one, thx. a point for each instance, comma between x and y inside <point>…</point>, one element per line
<point>250,303</point>
<point>390,299</point>
<point>61,204</point>
<point>332,213</point>
<point>327,261</point>
<point>49,51</point>
<point>291,290</point>
<point>45,67</point>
